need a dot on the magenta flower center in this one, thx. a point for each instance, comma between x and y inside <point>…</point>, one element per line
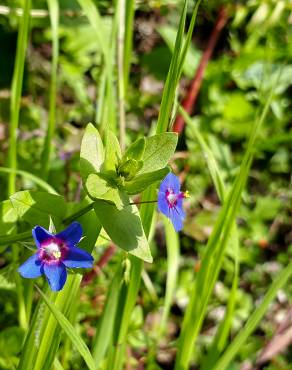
<point>171,198</point>
<point>53,250</point>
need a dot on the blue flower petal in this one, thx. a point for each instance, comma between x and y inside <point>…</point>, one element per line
<point>179,208</point>
<point>77,257</point>
<point>176,219</point>
<point>163,204</point>
<point>40,234</point>
<point>56,275</point>
<point>31,268</point>
<point>72,234</point>
<point>170,182</point>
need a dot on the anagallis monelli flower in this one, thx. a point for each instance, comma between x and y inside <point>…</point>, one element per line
<point>170,200</point>
<point>54,254</point>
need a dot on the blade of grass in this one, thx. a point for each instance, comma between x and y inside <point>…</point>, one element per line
<point>173,254</point>
<point>106,113</point>
<point>254,319</point>
<point>27,175</point>
<point>94,18</point>
<point>106,322</point>
<point>208,155</point>
<point>172,77</point>
<point>47,150</point>
<point>175,70</point>
<point>220,339</point>
<point>121,82</point>
<point>129,292</point>
<point>128,45</point>
<point>68,328</point>
<point>16,88</point>
<point>215,251</point>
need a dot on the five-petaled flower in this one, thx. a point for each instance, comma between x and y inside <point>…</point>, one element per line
<point>170,200</point>
<point>55,253</point>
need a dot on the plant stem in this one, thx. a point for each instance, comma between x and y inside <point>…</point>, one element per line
<point>121,81</point>
<point>254,319</point>
<point>78,213</point>
<point>128,44</point>
<point>16,93</point>
<point>47,151</point>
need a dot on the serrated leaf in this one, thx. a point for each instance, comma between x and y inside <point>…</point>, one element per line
<point>91,153</point>
<point>141,182</point>
<point>158,151</point>
<point>37,207</point>
<point>99,188</point>
<point>125,228</point>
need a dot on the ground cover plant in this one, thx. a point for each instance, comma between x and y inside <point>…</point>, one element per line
<point>145,176</point>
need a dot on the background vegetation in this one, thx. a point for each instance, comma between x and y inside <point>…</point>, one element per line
<point>74,74</point>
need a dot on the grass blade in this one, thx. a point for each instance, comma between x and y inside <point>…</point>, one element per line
<point>220,339</point>
<point>213,258</point>
<point>254,319</point>
<point>129,292</point>
<point>47,151</point>
<point>16,88</point>
<point>27,175</point>
<point>70,332</point>
<point>94,18</point>
<point>128,46</point>
<point>173,254</point>
<point>105,326</point>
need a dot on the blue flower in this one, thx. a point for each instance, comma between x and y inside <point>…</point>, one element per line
<point>170,200</point>
<point>54,254</point>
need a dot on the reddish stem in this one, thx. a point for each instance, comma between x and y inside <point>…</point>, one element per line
<point>192,95</point>
<point>106,256</point>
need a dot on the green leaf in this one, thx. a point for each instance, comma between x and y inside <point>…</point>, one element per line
<point>11,341</point>
<point>112,152</point>
<point>99,188</point>
<point>136,150</point>
<point>37,207</point>
<point>91,153</point>
<point>159,149</point>
<point>193,55</point>
<point>253,321</point>
<point>141,182</point>
<point>72,334</point>
<point>8,217</point>
<point>129,168</point>
<point>106,322</point>
<point>124,227</point>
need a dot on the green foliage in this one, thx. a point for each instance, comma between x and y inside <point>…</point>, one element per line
<point>124,227</point>
<point>37,208</point>
<point>223,281</point>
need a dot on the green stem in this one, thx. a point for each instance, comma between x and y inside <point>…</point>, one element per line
<point>16,93</point>
<point>254,319</point>
<point>121,82</point>
<point>78,213</point>
<point>38,181</point>
<point>128,44</point>
<point>47,151</point>
<point>8,239</point>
